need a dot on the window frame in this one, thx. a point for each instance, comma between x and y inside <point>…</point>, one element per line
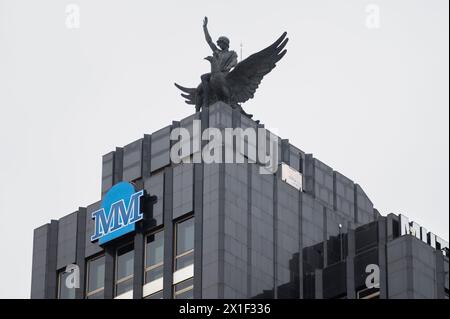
<point>89,260</point>
<point>116,268</point>
<point>175,241</point>
<point>183,290</point>
<point>161,263</point>
<point>59,274</point>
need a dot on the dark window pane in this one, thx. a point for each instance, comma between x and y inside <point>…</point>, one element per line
<point>64,291</point>
<point>184,261</point>
<point>189,294</point>
<point>366,237</point>
<point>96,273</point>
<point>156,295</point>
<point>185,235</point>
<point>368,293</point>
<point>335,281</point>
<point>360,263</point>
<point>184,284</point>
<point>125,261</point>
<point>124,286</point>
<point>153,274</point>
<point>184,289</point>
<point>155,249</point>
<point>97,295</point>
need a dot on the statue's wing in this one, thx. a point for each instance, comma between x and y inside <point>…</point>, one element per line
<point>191,94</point>
<point>247,75</point>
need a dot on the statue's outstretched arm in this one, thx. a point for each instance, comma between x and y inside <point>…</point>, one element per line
<point>208,37</point>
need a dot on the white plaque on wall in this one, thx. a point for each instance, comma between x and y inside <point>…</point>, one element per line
<point>291,176</point>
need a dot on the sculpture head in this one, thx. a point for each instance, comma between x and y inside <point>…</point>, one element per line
<point>223,43</point>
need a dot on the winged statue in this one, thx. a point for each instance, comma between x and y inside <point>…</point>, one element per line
<point>229,81</point>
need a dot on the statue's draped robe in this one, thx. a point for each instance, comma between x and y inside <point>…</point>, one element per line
<point>226,60</point>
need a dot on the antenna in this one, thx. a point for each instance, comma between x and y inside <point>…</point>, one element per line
<point>241,50</point>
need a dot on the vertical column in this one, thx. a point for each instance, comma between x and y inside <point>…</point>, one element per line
<point>168,233</point>
<point>350,263</point>
<point>40,236</point>
<point>318,284</point>
<point>310,175</point>
<point>198,211</point>
<point>301,164</point>
<point>249,229</point>
<point>285,151</point>
<point>392,228</point>
<point>221,222</point>
<point>138,271</point>
<point>275,235</point>
<point>334,191</point>
<point>112,169</point>
<point>107,172</point>
<point>44,282</point>
<point>118,165</point>
<point>382,257</point>
<point>146,155</point>
<point>300,244</point>
<point>355,204</point>
<point>198,229</point>
<point>440,276</point>
<point>80,251</point>
<point>109,272</point>
<point>236,118</point>
<point>325,238</point>
<point>409,270</point>
<point>51,280</point>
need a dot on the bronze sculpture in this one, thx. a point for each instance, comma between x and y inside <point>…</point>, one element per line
<point>229,81</point>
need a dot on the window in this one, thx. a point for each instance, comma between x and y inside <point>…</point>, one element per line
<point>124,269</point>
<point>63,291</point>
<point>95,283</point>
<point>154,256</point>
<point>368,293</point>
<point>184,233</point>
<point>184,289</point>
<point>156,295</point>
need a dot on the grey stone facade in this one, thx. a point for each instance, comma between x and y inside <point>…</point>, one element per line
<point>255,235</point>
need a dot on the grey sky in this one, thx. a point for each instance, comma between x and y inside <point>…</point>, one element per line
<point>371,103</point>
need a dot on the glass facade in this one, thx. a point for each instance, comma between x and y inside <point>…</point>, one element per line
<point>184,289</point>
<point>154,256</point>
<point>124,269</point>
<point>95,283</point>
<point>156,295</point>
<point>184,236</point>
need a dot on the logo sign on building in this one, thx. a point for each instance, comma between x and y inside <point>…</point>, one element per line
<point>119,211</point>
<point>414,229</point>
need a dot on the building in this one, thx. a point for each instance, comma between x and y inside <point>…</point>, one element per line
<point>227,231</point>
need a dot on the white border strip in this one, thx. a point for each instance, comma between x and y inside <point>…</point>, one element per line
<point>152,287</point>
<point>183,274</point>
<point>125,295</point>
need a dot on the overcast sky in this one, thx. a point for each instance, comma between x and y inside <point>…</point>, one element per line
<point>370,100</point>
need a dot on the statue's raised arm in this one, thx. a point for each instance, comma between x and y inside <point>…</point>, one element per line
<point>210,42</point>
